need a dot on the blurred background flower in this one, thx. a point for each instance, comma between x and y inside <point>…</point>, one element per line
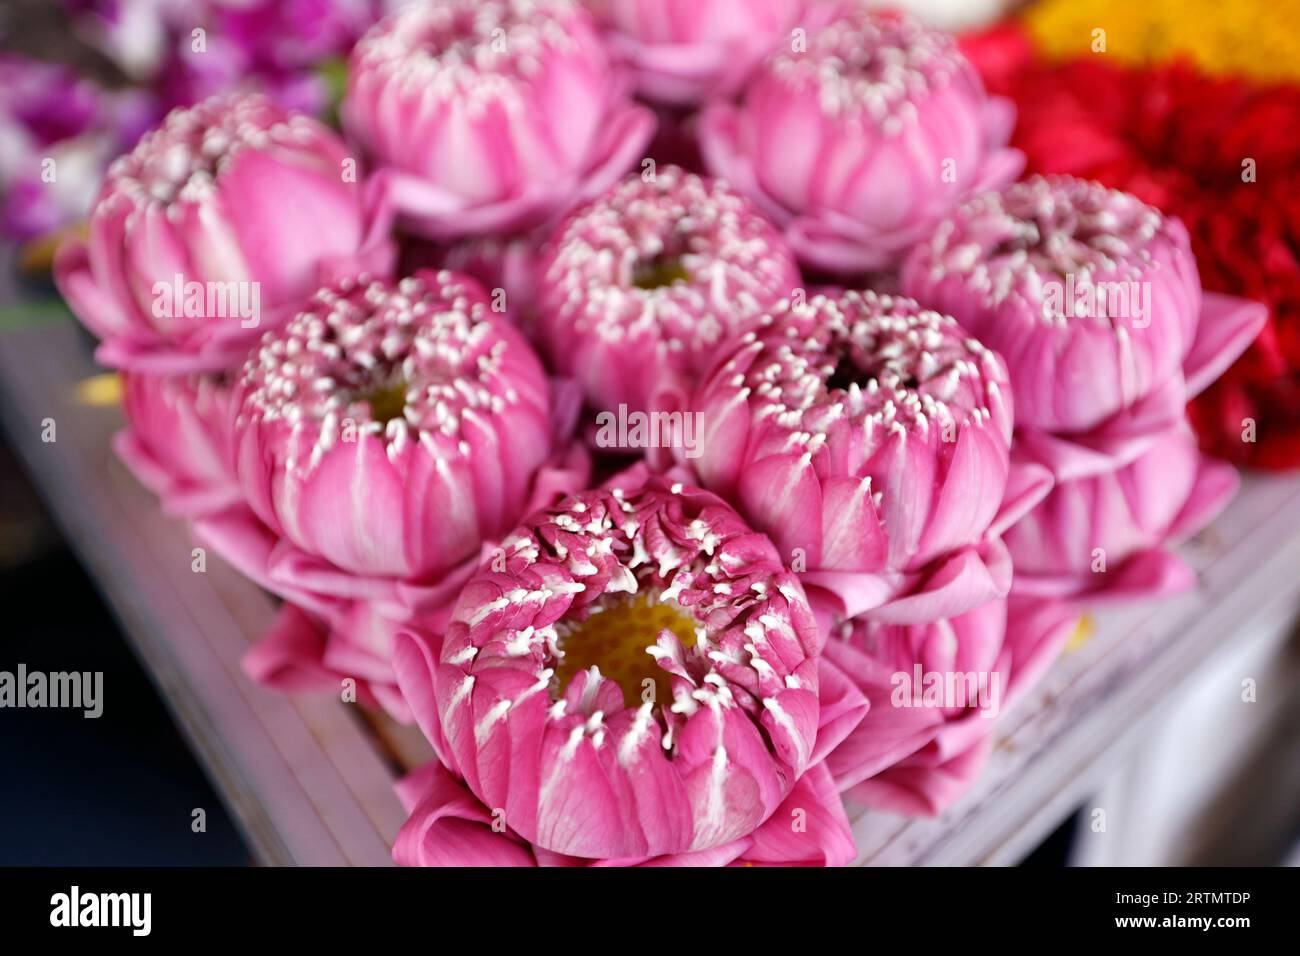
<point>80,80</point>
<point>1254,38</point>
<point>57,133</point>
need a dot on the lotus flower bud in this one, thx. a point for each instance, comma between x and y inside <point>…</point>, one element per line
<point>682,54</point>
<point>1090,295</point>
<point>639,287</point>
<point>213,230</point>
<point>867,436</point>
<point>383,441</point>
<point>860,139</point>
<point>639,680</point>
<point>490,116</point>
<point>1093,299</point>
<point>391,428</point>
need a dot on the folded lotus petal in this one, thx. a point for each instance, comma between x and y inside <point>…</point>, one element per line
<point>782,493</point>
<point>489,116</point>
<point>241,539</point>
<point>435,213</point>
<point>293,656</point>
<point>1028,483</point>
<point>726,155</point>
<point>1147,574</point>
<point>935,689</point>
<point>211,230</point>
<point>450,827</point>
<point>925,789</point>
<point>681,55</point>
<point>836,595</point>
<point>841,708</point>
<point>954,585</point>
<point>859,143</point>
<point>1037,631</point>
<point>553,708</point>
<point>303,653</point>
<point>1216,484</point>
<point>360,645</point>
<point>892,735</point>
<point>852,536</point>
<point>291,570</point>
<point>75,275</point>
<point>1081,538</point>
<point>1226,328</point>
<point>340,638</point>
<point>636,289</point>
<point>620,144</point>
<point>288,655</point>
<point>843,247</point>
<point>177,441</point>
<point>1116,442</point>
<point>415,662</point>
<point>808,829</point>
<point>979,457</point>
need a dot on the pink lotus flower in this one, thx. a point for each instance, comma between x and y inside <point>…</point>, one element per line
<point>383,438</point>
<point>871,439</point>
<point>635,678</point>
<point>211,231</point>
<point>638,288</point>
<point>682,53</point>
<point>490,116</point>
<point>1105,536</point>
<point>177,440</point>
<point>860,143</point>
<point>449,826</point>
<point>1093,299</point>
<point>392,427</point>
<point>936,690</point>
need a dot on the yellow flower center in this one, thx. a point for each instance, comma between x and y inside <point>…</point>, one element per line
<point>386,401</point>
<point>615,638</point>
<point>659,273</point>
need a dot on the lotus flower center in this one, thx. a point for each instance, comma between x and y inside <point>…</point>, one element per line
<point>615,637</point>
<point>1087,229</point>
<point>848,372</point>
<point>386,401</point>
<point>659,272</point>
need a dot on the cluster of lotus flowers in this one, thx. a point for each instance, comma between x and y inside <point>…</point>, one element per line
<point>667,655</point>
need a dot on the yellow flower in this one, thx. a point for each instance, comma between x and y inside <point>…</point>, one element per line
<point>1259,39</point>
